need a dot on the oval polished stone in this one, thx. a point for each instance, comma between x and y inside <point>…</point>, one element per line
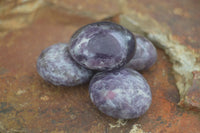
<point>145,54</point>
<point>57,67</point>
<point>123,93</point>
<point>102,46</point>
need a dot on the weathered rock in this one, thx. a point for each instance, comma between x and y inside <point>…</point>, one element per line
<point>28,104</point>
<point>184,60</point>
<point>192,97</point>
<point>17,14</point>
<point>95,9</point>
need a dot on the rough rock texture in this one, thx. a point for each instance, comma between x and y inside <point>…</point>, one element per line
<point>145,54</point>
<point>123,93</point>
<point>192,97</point>
<point>137,128</point>
<point>184,61</point>
<point>17,14</point>
<point>96,9</point>
<point>57,67</point>
<point>28,104</point>
<point>87,46</point>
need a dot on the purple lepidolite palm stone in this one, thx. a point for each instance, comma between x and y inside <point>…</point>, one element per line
<point>57,67</point>
<point>102,46</point>
<point>123,93</point>
<point>145,55</point>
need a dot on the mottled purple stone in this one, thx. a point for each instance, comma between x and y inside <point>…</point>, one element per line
<point>145,54</point>
<point>102,46</point>
<point>57,67</point>
<point>123,93</point>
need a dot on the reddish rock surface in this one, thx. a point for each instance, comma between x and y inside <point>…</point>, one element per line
<point>29,104</point>
<point>192,99</point>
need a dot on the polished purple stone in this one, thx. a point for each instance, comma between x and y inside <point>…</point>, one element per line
<point>102,46</point>
<point>57,67</point>
<point>145,54</point>
<point>123,93</point>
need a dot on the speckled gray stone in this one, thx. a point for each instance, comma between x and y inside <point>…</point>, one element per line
<point>145,54</point>
<point>102,46</point>
<point>57,67</point>
<point>123,93</point>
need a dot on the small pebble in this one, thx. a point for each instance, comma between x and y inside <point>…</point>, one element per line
<point>123,93</point>
<point>57,67</point>
<point>145,54</point>
<point>102,46</point>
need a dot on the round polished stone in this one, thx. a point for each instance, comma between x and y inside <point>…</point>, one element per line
<point>145,54</point>
<point>57,67</point>
<point>102,46</point>
<point>123,93</point>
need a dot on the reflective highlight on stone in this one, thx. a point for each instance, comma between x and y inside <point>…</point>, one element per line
<point>102,46</point>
